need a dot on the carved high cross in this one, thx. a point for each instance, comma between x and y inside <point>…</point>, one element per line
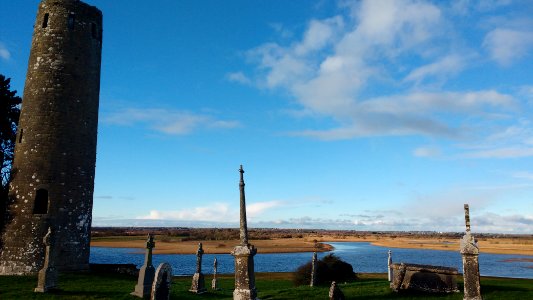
<point>467,218</point>
<point>150,244</point>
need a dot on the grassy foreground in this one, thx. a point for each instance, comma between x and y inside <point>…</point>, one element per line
<point>269,285</point>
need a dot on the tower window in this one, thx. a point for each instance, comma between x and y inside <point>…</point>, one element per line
<point>45,20</point>
<point>71,18</point>
<point>41,202</point>
<point>93,30</point>
<point>20,135</point>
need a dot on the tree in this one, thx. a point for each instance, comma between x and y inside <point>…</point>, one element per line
<point>329,268</point>
<point>9,118</point>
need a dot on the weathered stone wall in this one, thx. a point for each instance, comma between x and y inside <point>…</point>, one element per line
<point>55,153</point>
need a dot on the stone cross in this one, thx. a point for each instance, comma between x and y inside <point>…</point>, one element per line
<point>198,281</point>
<point>470,253</point>
<point>313,270</point>
<point>243,225</point>
<point>214,283</point>
<point>47,279</point>
<point>147,271</point>
<point>199,254</point>
<point>244,256</point>
<point>389,267</point>
<point>467,218</point>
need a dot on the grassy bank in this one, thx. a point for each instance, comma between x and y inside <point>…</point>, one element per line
<point>269,285</point>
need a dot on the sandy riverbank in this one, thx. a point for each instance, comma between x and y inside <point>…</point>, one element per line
<point>486,245</point>
<point>213,247</point>
<point>166,246</point>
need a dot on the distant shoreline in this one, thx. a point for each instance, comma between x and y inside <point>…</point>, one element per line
<point>165,245</point>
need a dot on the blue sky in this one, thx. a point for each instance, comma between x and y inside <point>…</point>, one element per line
<point>365,115</point>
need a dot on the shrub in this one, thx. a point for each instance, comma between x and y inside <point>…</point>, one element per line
<point>329,268</point>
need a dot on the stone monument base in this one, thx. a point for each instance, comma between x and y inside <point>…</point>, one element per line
<point>244,294</point>
<point>47,281</point>
<point>198,284</point>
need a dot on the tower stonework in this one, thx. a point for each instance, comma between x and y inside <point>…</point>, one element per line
<point>55,151</point>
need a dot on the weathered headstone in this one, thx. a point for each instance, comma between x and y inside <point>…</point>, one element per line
<point>470,253</point>
<point>214,282</point>
<point>147,272</point>
<point>335,292</point>
<point>389,263</point>
<point>425,278</point>
<point>162,282</point>
<point>47,279</point>
<point>313,270</point>
<point>244,255</point>
<point>198,281</point>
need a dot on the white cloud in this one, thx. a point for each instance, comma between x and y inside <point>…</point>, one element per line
<point>481,222</point>
<point>446,66</point>
<point>427,151</point>
<point>238,77</point>
<point>214,212</point>
<point>167,121</point>
<point>524,175</point>
<point>257,208</point>
<point>417,113</point>
<point>505,152</point>
<point>508,45</point>
<point>4,52</point>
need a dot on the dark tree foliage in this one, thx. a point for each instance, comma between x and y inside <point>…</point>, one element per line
<point>329,268</point>
<point>9,118</point>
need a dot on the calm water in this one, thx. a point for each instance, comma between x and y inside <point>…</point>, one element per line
<point>364,258</point>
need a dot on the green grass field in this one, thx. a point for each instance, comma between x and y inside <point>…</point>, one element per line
<point>269,285</point>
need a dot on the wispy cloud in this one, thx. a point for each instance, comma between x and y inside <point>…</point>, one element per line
<point>4,52</point>
<point>508,45</point>
<point>168,121</point>
<point>524,175</point>
<point>238,77</point>
<point>427,151</point>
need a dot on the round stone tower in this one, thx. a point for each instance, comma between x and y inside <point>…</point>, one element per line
<point>55,151</point>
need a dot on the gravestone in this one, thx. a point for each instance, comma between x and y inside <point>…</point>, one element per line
<point>162,282</point>
<point>313,270</point>
<point>198,281</point>
<point>147,271</point>
<point>470,253</point>
<point>425,278</point>
<point>389,263</point>
<point>335,293</point>
<point>47,279</point>
<point>214,283</point>
<point>244,255</point>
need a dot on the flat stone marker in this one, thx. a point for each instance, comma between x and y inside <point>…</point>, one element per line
<point>470,253</point>
<point>146,273</point>
<point>425,278</point>
<point>162,282</point>
<point>198,281</point>
<point>47,279</point>
<point>335,293</point>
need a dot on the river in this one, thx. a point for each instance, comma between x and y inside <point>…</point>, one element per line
<point>364,257</point>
